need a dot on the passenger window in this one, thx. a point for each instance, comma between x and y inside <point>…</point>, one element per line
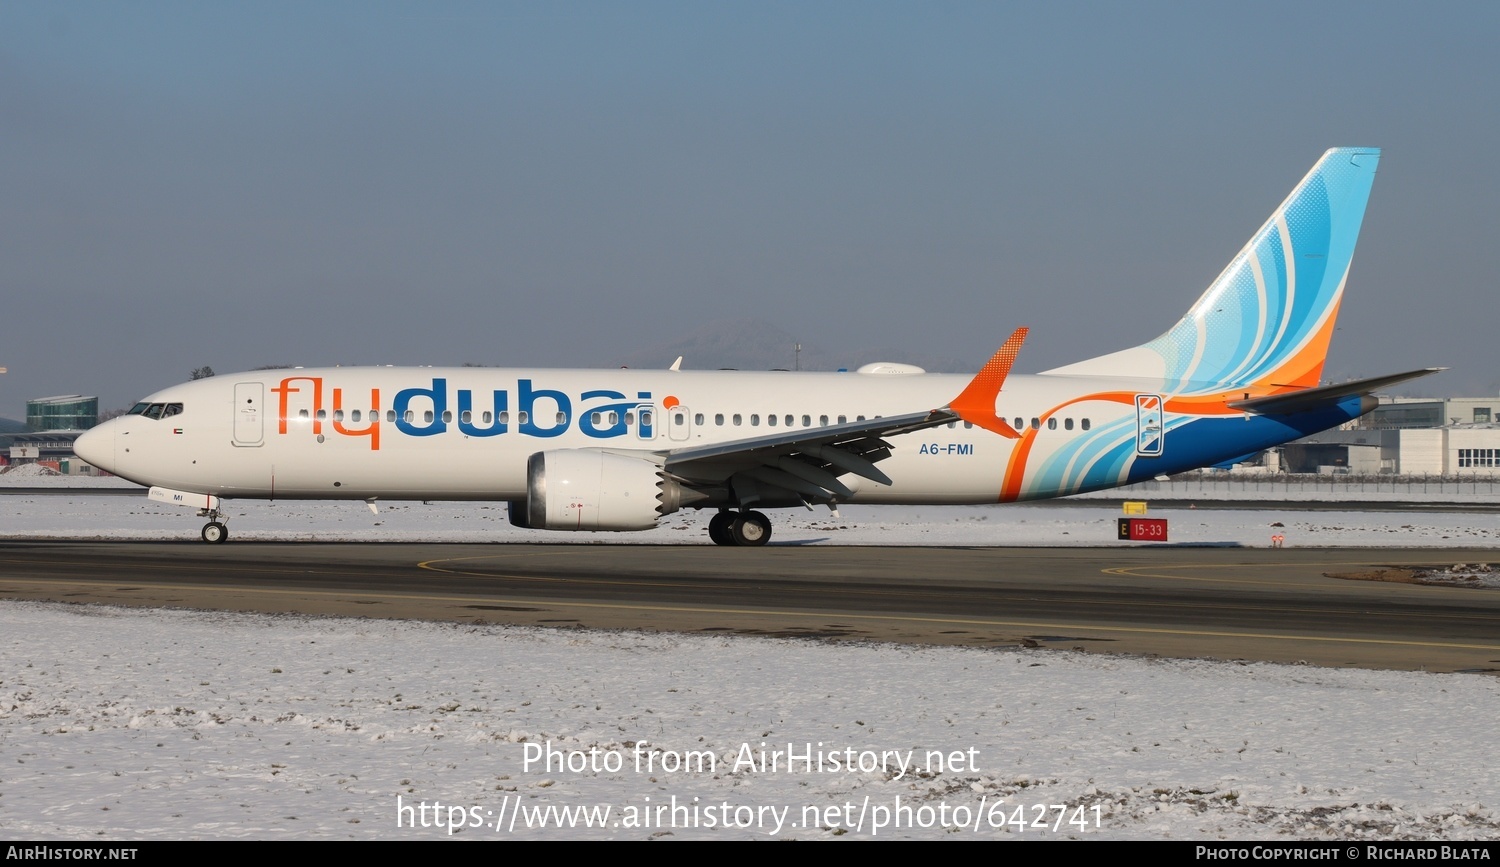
<point>788,420</point>
<point>411,416</point>
<point>679,418</point>
<point>1020,423</point>
<point>354,415</point>
<point>595,418</point>
<point>823,421</point>
<point>1051,424</point>
<point>1067,424</point>
<point>338,415</point>
<point>447,416</point>
<point>629,418</point>
<point>807,421</point>
<point>486,417</point>
<point>645,418</point>
<point>843,419</point>
<point>719,419</point>
<point>467,416</point>
<point>390,415</point>
<point>771,420</point>
<point>426,416</point>
<point>522,417</point>
<point>562,418</point>
<point>302,414</point>
<point>698,418</point>
<point>952,425</point>
<point>1036,423</point>
<point>755,419</point>
<point>505,418</point>
<point>1085,424</point>
<point>968,425</point>
<point>736,419</point>
<point>323,414</point>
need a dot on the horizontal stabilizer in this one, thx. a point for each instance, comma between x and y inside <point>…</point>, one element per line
<point>1288,403</point>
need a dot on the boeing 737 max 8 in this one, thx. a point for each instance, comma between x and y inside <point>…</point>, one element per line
<point>619,449</point>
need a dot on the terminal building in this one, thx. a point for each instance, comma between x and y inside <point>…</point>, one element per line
<point>1401,413</point>
<point>47,436</point>
<point>1452,437</point>
<point>67,412</point>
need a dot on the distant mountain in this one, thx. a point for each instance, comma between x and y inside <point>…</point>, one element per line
<point>753,344</point>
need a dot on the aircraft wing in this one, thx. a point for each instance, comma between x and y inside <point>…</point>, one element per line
<point>805,462</point>
<point>1323,396</point>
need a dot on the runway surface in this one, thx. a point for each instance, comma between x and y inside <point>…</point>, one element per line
<point>1226,603</point>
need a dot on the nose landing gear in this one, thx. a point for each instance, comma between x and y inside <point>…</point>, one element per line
<point>215,530</point>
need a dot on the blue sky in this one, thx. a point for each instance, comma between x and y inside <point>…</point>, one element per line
<point>572,184</point>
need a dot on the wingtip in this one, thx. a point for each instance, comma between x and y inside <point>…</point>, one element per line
<point>976,403</point>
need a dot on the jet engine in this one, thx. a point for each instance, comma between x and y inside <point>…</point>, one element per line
<point>588,489</point>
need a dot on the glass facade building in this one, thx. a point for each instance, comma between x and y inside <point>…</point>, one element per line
<point>67,412</point>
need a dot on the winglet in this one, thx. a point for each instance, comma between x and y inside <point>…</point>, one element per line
<point>976,404</point>
<point>676,365</point>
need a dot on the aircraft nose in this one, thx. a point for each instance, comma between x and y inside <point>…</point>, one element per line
<point>97,446</point>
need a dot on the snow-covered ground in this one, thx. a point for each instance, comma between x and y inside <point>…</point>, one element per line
<point>119,724</point>
<point>1211,487</point>
<point>128,724</point>
<point>37,475</point>
<point>84,512</point>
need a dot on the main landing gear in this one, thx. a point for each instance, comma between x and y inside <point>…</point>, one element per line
<point>746,529</point>
<point>214,531</point>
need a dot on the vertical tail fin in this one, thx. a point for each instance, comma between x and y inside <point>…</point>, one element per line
<point>1265,323</point>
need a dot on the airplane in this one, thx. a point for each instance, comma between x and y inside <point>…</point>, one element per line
<point>576,450</point>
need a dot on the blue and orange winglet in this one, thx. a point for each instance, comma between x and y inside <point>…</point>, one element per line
<point>976,404</point>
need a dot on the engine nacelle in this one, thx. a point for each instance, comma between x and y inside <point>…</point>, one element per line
<point>518,516</point>
<point>587,489</point>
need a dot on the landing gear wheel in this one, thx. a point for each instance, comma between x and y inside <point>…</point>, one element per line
<point>750,529</point>
<point>213,531</point>
<point>718,528</point>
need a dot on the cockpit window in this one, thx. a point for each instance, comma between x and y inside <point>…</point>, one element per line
<point>156,410</point>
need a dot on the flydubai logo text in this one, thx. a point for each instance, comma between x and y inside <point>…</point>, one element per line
<point>305,402</point>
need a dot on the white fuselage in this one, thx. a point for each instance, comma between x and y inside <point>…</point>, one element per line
<point>466,433</point>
